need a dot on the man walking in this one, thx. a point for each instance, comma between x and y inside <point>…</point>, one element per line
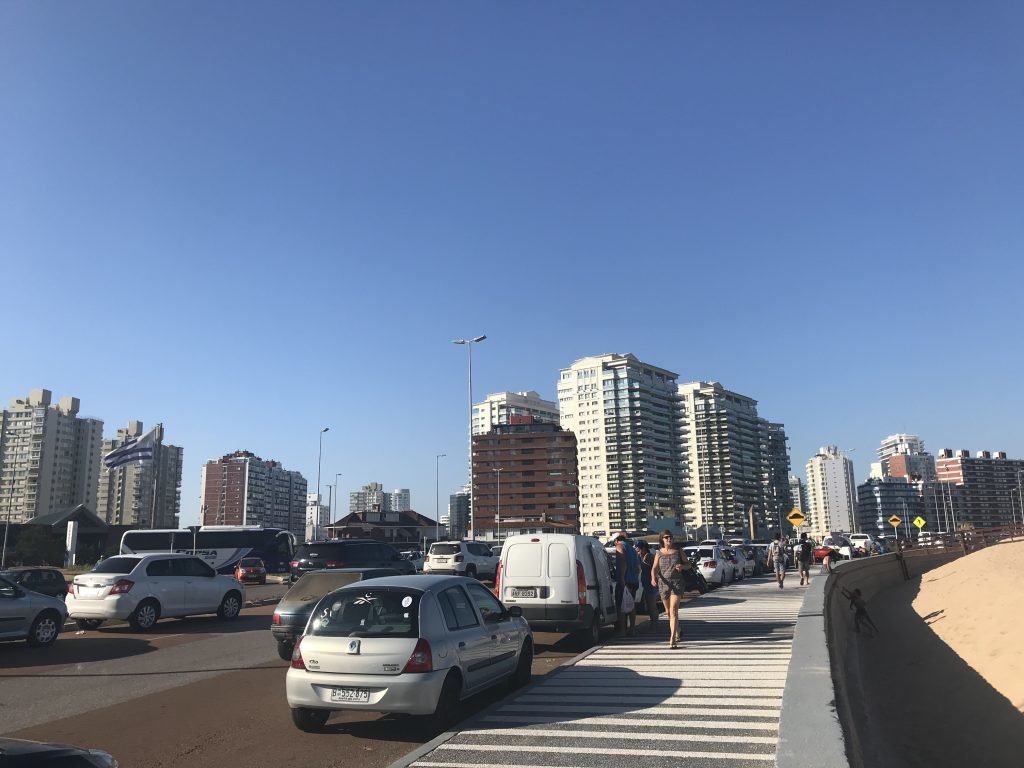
<point>805,556</point>
<point>777,558</point>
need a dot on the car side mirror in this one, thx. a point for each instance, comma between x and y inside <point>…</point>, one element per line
<point>515,611</point>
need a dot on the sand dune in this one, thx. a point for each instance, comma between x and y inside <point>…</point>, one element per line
<point>976,606</point>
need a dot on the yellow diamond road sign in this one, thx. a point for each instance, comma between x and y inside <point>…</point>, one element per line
<point>920,522</point>
<point>796,517</point>
<point>895,520</point>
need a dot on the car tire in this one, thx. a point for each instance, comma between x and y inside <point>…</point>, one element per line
<point>524,668</point>
<point>471,571</point>
<point>44,629</point>
<point>230,606</point>
<point>447,708</point>
<point>145,616</point>
<point>310,720</point>
<point>85,624</point>
<point>285,649</point>
<point>591,636</point>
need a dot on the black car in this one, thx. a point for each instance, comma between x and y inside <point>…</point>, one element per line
<point>47,581</point>
<point>17,753</point>
<point>293,611</point>
<point>348,553</point>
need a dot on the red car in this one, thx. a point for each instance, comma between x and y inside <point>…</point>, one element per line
<point>820,552</point>
<point>251,569</point>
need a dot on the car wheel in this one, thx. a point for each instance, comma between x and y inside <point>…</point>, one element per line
<point>310,720</point>
<point>447,708</point>
<point>145,616</point>
<point>471,571</point>
<point>230,606</point>
<point>590,636</point>
<point>524,669</point>
<point>84,624</point>
<point>44,629</point>
<point>285,649</point>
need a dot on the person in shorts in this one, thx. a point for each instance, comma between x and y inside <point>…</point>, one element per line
<point>777,558</point>
<point>804,557</point>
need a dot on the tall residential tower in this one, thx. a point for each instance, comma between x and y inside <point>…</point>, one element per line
<point>831,492</point>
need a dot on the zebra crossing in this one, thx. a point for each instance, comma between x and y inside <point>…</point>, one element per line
<point>714,701</point>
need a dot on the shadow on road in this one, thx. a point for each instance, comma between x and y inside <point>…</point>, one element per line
<point>63,652</point>
<point>195,625</point>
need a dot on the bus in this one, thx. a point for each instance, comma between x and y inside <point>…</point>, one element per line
<point>222,546</point>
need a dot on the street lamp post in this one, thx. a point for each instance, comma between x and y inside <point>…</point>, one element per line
<point>468,343</point>
<point>497,517</point>
<point>437,496</point>
<point>319,461</point>
<point>7,525</point>
<point>1013,509</point>
<point>337,496</point>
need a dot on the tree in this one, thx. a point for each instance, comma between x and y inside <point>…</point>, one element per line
<point>38,545</point>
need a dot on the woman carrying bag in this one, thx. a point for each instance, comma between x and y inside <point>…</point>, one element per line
<point>669,575</point>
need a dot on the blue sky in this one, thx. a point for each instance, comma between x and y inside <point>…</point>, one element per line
<point>249,220</point>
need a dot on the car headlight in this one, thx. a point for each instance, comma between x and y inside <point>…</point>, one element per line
<point>102,759</point>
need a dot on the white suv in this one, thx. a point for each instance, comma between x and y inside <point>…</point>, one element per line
<point>461,558</point>
<point>143,588</point>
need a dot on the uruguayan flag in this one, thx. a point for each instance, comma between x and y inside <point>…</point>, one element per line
<point>140,449</point>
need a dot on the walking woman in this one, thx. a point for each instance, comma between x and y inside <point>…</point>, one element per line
<point>667,575</point>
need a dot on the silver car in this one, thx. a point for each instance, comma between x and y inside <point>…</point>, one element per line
<point>30,616</point>
<point>411,644</point>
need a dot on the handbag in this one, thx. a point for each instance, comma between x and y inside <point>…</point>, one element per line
<point>628,604</point>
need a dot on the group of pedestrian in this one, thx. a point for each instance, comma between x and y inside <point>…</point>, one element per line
<point>803,552</point>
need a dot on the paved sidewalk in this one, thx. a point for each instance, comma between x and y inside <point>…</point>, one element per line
<point>714,701</point>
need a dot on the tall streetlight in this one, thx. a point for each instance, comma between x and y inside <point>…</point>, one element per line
<point>497,517</point>
<point>437,496</point>
<point>337,496</point>
<point>319,460</point>
<point>472,507</point>
<point>1013,509</point>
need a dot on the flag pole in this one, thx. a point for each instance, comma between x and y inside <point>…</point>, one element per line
<point>156,472</point>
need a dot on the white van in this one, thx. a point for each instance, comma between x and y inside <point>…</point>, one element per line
<point>561,581</point>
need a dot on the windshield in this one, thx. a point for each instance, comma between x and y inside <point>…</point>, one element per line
<point>117,565</point>
<point>251,562</point>
<point>445,549</point>
<point>367,613</point>
<point>706,553</point>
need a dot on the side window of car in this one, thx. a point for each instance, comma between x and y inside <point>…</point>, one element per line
<point>461,609</point>
<point>486,603</point>
<point>159,568</point>
<point>191,566</point>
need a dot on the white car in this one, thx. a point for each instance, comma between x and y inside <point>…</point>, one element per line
<point>714,566</point>
<point>461,558</point>
<point>415,557</point>
<point>144,588</point>
<point>743,564</point>
<point>416,645</point>
<point>840,544</point>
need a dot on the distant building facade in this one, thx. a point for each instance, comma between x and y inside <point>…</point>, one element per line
<point>49,456</point>
<point>458,514</point>
<point>982,489</point>
<point>904,456</point>
<point>400,500</point>
<point>798,494</point>
<point>880,499</point>
<point>243,489</point>
<point>831,493</point>
<point>318,517</point>
<point>370,496</point>
<point>127,495</point>
<point>502,408</point>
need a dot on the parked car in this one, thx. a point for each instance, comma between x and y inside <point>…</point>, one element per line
<point>413,645</point>
<point>744,564</point>
<point>347,553</point>
<point>415,557</point>
<point>840,544</point>
<point>30,616</point>
<point>251,569</point>
<point>862,544</point>
<point>712,563</point>
<point>292,613</point>
<point>561,581</point>
<point>461,558</point>
<point>142,589</point>
<point>41,579</point>
<point>19,753</point>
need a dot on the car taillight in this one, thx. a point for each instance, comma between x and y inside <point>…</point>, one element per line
<point>422,659</point>
<point>294,563</point>
<point>710,563</point>
<point>297,662</point>
<point>122,587</point>
<point>276,619</point>
<point>71,588</point>
<point>497,581</point>
<point>459,558</point>
<point>581,584</point>
<point>426,558</point>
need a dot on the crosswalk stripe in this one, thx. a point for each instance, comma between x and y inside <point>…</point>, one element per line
<point>613,709</point>
<point>686,754</point>
<point>634,722</point>
<point>623,735</point>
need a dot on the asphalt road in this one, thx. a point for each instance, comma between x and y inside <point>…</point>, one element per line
<point>197,692</point>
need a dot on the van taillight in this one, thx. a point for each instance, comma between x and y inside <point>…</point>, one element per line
<point>458,558</point>
<point>422,658</point>
<point>122,587</point>
<point>294,563</point>
<point>581,583</point>
<point>497,581</point>
<point>297,662</point>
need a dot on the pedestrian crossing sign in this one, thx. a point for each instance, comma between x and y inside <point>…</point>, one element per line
<point>895,520</point>
<point>920,522</point>
<point>796,517</point>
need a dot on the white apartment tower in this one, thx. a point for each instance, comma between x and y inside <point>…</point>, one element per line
<point>400,500</point>
<point>369,496</point>
<point>318,517</point>
<point>502,407</point>
<point>831,492</point>
<point>49,456</point>
<point>127,495</point>
<point>628,420</point>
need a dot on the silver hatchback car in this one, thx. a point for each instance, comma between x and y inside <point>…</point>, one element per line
<point>411,644</point>
<point>30,616</point>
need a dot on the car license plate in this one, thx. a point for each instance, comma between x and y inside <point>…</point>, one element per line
<point>441,559</point>
<point>350,694</point>
<point>524,592</point>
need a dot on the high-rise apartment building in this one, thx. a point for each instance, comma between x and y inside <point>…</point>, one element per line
<point>798,494</point>
<point>318,517</point>
<point>400,500</point>
<point>983,488</point>
<point>535,489</point>
<point>502,408</point>
<point>147,495</point>
<point>628,418</point>
<point>831,492</point>
<point>458,514</point>
<point>904,456</point>
<point>243,489</point>
<point>778,497</point>
<point>49,456</point>
<point>371,496</point>
<point>878,500</point>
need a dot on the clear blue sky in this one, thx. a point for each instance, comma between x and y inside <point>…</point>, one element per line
<point>250,220</point>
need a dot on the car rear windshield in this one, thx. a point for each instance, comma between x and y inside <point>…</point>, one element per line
<point>117,565</point>
<point>706,553</point>
<point>376,612</point>
<point>250,562</point>
<point>313,586</point>
<point>445,549</point>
